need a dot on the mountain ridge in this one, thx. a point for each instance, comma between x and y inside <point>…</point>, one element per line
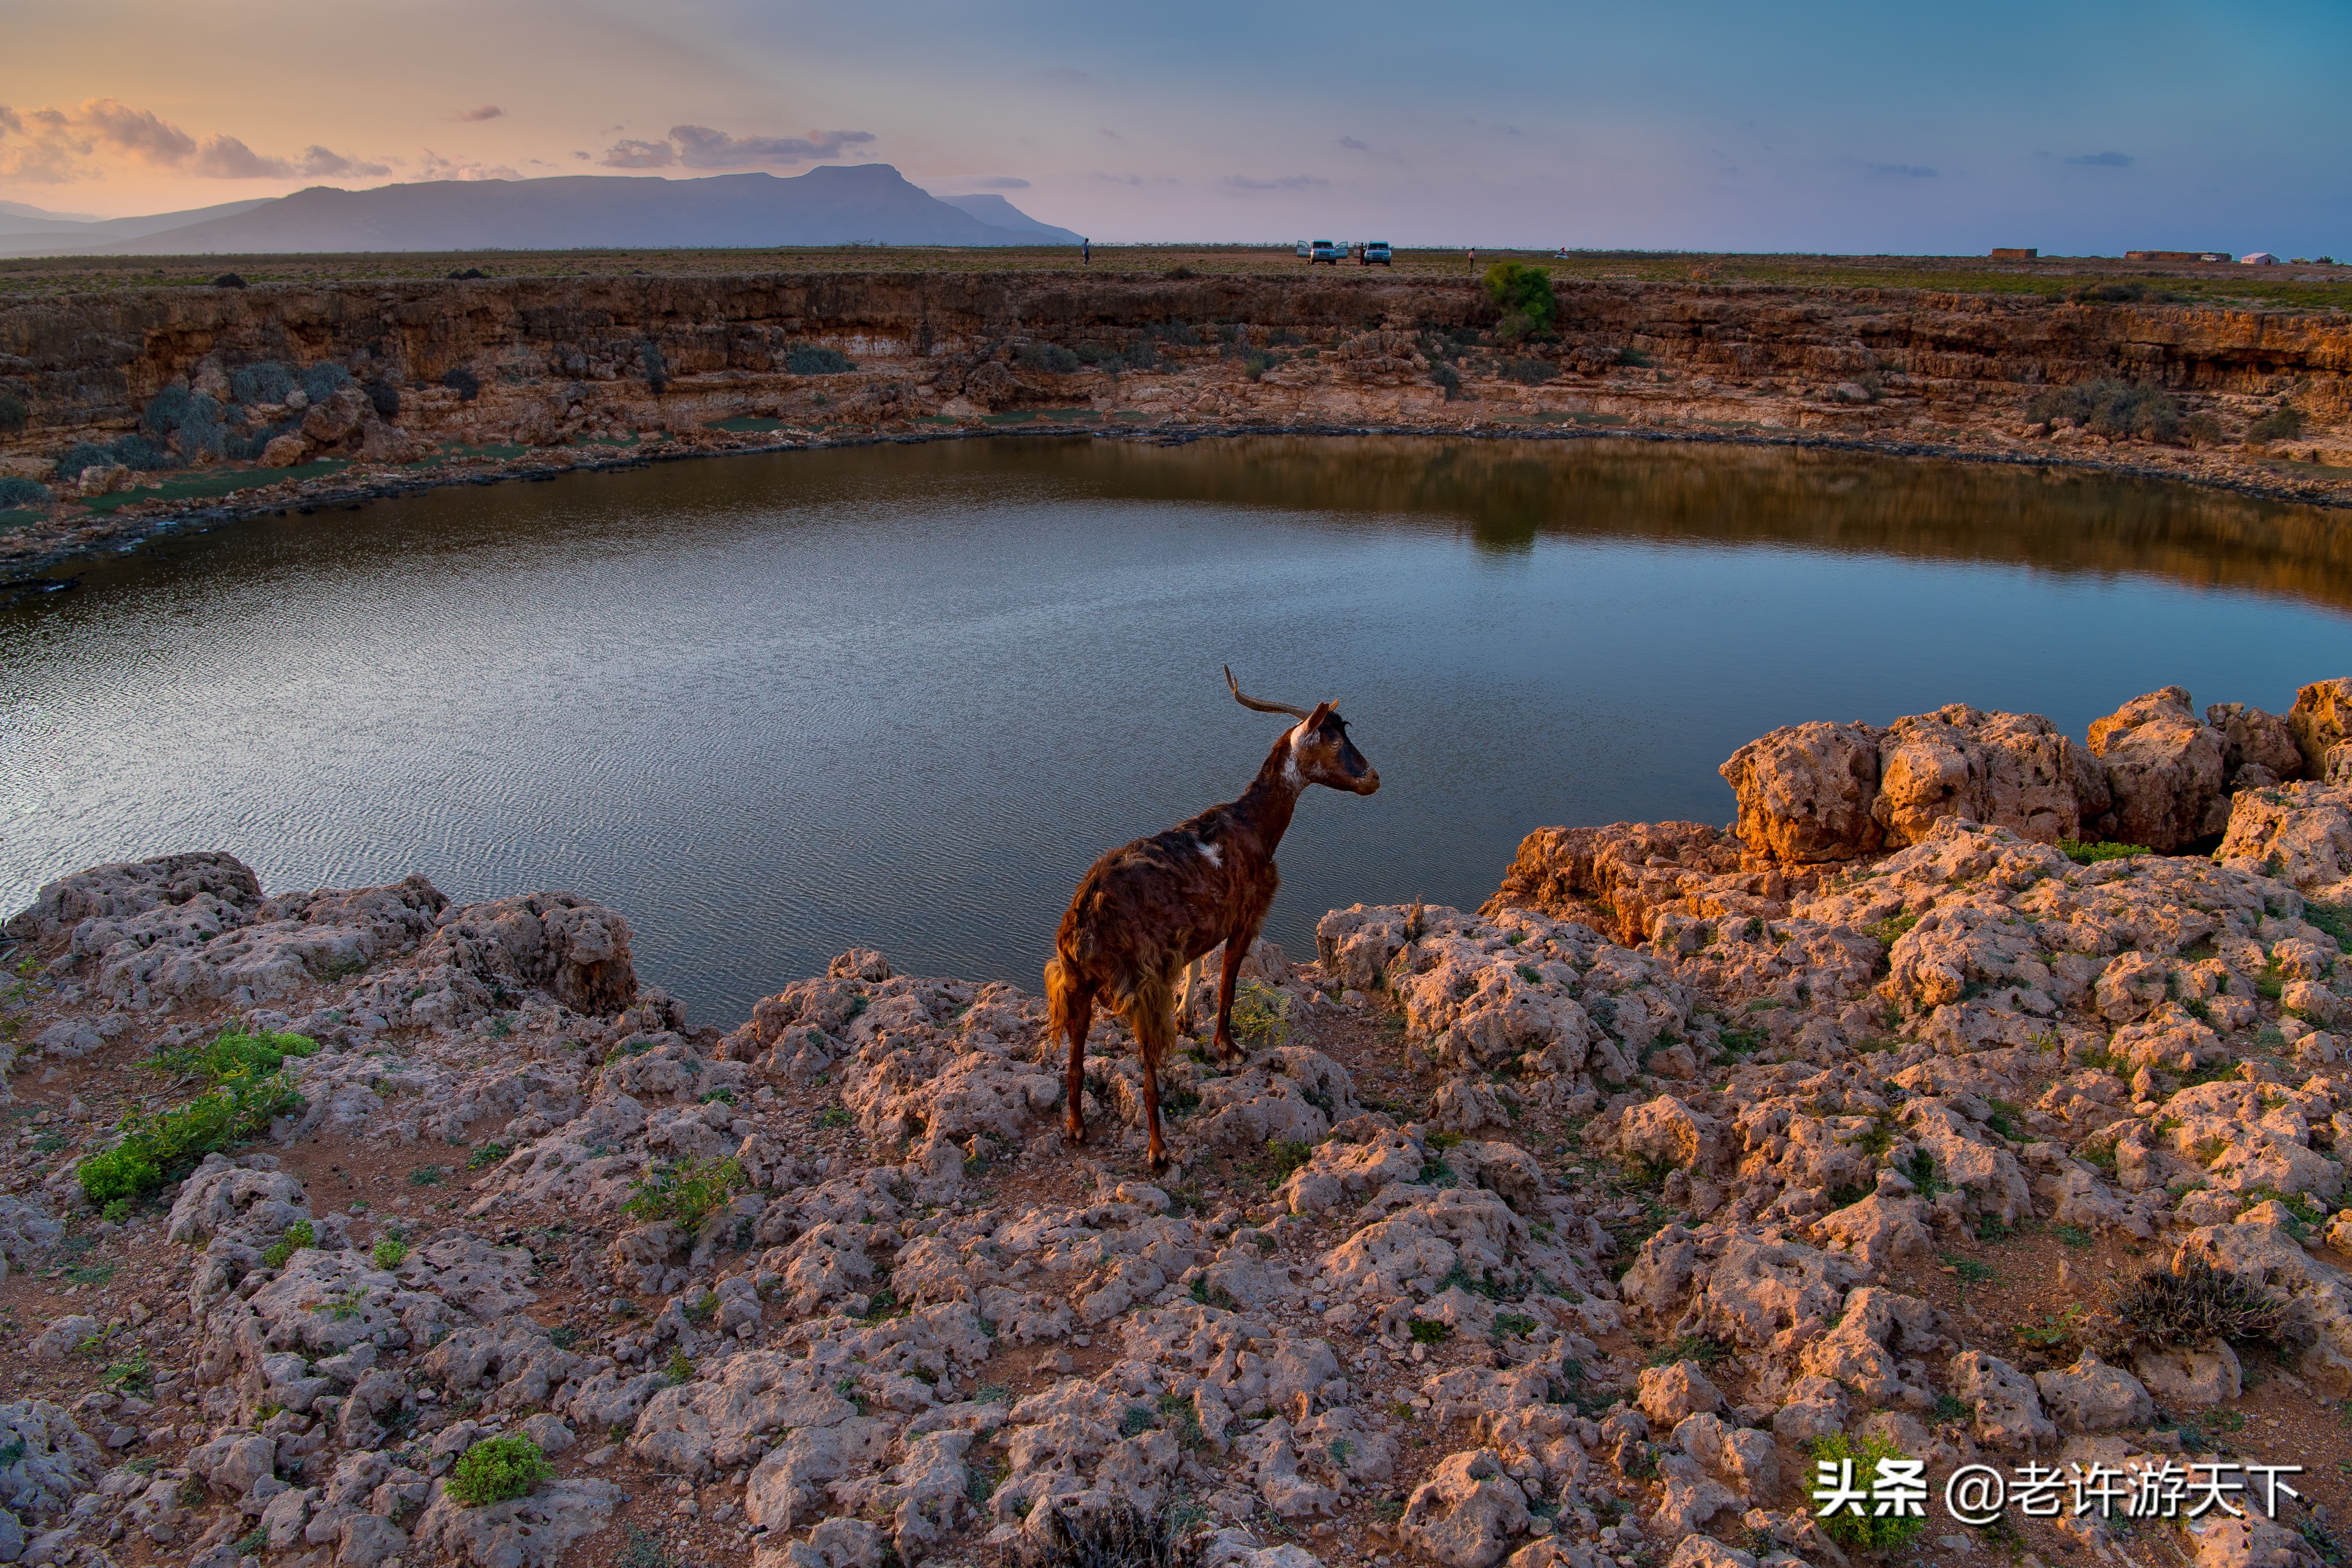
<point>830,205</point>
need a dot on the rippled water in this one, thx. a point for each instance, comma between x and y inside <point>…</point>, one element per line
<point>900,697</point>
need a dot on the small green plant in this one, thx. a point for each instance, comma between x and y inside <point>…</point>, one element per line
<point>487,1155</point>
<point>1849,1526</point>
<point>1948,1408</point>
<point>1289,1155</point>
<point>298,1235</point>
<point>425,1176</point>
<point>833,1116</point>
<point>390,1252</point>
<point>1518,1323</point>
<point>1891,929</point>
<point>2073,1236</point>
<point>1918,1168</point>
<point>234,1056</point>
<point>679,1369</point>
<point>497,1470</point>
<point>132,1374</point>
<point>1261,1016</point>
<point>702,1309</point>
<point>1429,1330</point>
<point>116,1211</point>
<point>154,1149</point>
<point>686,1192</point>
<point>1695,1348</point>
<point>1969,1269</point>
<point>2092,854</point>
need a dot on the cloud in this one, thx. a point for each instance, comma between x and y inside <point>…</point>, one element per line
<point>1069,76</point>
<point>700,147</point>
<point>2104,161</point>
<point>638,155</point>
<point>1353,145</point>
<point>583,157</point>
<point>1287,183</point>
<point>1139,179</point>
<point>437,167</point>
<point>76,144</point>
<point>486,112</point>
<point>999,182</point>
<point>1904,171</point>
<point>1106,131</point>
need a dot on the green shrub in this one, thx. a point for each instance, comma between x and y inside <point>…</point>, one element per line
<point>14,413</point>
<point>1529,372</point>
<point>298,1235</point>
<point>498,1468</point>
<point>1865,1532</point>
<point>2204,430</point>
<point>264,381</point>
<point>17,491</point>
<point>687,1192</point>
<point>391,1252</point>
<point>817,362</point>
<point>2109,407</point>
<point>322,381</point>
<point>1430,1330</point>
<point>2191,1306</point>
<point>1261,1015</point>
<point>157,1147</point>
<point>464,382</point>
<point>234,1056</point>
<point>1525,295</point>
<point>2281,424</point>
<point>2091,854</point>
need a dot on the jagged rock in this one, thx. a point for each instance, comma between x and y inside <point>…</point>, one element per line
<point>2251,738</point>
<point>58,1462</point>
<point>2321,722</point>
<point>1738,1286</point>
<point>527,1532</point>
<point>2299,833</point>
<point>1805,793</point>
<point>2092,1396</point>
<point>1878,1348</point>
<point>1466,1513</point>
<point>2164,767</point>
<point>2007,1406</point>
<point>2191,1379</point>
<point>1626,873</point>
<point>1669,1394</point>
<point>2004,770</point>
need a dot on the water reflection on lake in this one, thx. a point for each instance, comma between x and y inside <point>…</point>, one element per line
<point>899,697</point>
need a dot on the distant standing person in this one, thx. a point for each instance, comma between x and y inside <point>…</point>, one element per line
<point>1474,260</point>
<point>1086,252</point>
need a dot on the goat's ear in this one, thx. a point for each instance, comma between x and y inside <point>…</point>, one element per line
<point>1315,720</point>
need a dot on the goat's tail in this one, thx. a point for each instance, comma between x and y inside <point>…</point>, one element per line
<point>1060,992</point>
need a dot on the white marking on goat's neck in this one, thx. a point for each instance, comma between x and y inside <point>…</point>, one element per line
<point>1291,774</point>
<point>1210,853</point>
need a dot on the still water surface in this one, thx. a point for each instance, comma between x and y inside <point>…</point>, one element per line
<point>773,707</point>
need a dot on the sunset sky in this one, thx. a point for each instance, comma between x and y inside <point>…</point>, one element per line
<point>2080,128</point>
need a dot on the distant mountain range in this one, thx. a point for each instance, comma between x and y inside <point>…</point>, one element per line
<point>869,202</point>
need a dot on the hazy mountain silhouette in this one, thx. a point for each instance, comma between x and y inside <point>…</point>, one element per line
<point>28,230</point>
<point>996,210</point>
<point>829,205</point>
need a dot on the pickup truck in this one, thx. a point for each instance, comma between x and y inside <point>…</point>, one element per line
<point>1324,250</point>
<point>1372,253</point>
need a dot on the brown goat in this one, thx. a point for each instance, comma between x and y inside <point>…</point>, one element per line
<point>1145,912</point>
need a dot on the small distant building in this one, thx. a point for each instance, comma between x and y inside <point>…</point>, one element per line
<point>2175,256</point>
<point>2015,252</point>
<point>2258,258</point>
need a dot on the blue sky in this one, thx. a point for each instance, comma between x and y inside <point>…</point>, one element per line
<point>2082,128</point>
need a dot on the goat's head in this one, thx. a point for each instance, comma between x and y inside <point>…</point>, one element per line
<point>1320,751</point>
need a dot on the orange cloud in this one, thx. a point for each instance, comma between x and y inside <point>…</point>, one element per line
<point>55,147</point>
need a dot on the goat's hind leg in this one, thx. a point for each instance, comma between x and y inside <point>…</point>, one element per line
<point>1184,998</point>
<point>1153,1017</point>
<point>1073,1008</point>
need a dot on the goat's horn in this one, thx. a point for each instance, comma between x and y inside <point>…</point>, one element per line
<point>1262,707</point>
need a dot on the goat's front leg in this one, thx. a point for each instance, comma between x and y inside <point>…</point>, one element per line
<point>1082,1017</point>
<point>1234,948</point>
<point>1184,998</point>
<point>1153,1018</point>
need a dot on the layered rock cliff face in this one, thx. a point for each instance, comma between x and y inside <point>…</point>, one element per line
<point>558,357</point>
<point>1555,1235</point>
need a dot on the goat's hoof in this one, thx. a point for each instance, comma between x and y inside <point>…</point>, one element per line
<point>1157,1162</point>
<point>1075,1131</point>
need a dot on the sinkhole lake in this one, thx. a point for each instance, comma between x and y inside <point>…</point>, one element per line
<point>773,707</point>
